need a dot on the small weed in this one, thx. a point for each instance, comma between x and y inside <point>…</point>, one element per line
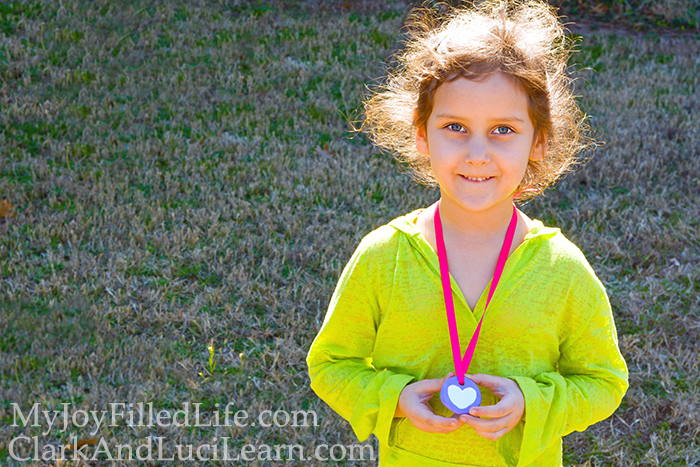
<point>211,365</point>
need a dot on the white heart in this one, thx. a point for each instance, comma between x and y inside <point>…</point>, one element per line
<point>461,398</point>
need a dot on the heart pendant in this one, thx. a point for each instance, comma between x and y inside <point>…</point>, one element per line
<point>460,398</point>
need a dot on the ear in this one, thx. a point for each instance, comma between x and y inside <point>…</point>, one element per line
<point>422,141</point>
<point>539,149</point>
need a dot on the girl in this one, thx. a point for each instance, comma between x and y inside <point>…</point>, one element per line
<point>480,106</point>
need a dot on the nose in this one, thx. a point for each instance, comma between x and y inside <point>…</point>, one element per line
<point>477,152</point>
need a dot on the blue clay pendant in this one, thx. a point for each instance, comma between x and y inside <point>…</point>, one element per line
<point>460,398</point>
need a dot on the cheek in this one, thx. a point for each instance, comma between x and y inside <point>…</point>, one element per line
<point>444,149</point>
<point>440,161</point>
<point>523,171</point>
<point>524,162</point>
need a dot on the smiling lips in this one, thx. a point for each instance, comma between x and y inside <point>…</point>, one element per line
<point>476,179</point>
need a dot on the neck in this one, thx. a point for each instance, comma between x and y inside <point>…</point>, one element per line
<point>476,225</point>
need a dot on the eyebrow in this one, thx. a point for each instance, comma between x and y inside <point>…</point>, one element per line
<point>499,119</point>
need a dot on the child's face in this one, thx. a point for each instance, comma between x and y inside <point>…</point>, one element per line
<point>479,138</point>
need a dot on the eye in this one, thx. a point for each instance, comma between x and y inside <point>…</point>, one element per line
<point>503,130</point>
<point>455,127</point>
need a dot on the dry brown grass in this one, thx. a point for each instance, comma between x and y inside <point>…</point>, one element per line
<point>182,174</point>
<point>636,14</point>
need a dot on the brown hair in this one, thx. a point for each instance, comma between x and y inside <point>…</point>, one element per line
<point>522,39</point>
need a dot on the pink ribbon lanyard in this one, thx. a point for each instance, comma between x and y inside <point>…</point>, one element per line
<point>462,364</point>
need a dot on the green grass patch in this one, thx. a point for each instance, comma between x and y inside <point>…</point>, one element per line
<point>188,172</point>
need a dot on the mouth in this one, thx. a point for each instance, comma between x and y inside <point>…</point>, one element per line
<point>476,179</point>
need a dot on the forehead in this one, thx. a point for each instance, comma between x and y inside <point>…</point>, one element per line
<point>495,94</point>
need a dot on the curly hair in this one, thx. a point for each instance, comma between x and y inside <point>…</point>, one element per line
<point>522,39</point>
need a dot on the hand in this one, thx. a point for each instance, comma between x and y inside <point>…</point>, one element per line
<point>502,417</point>
<point>414,405</point>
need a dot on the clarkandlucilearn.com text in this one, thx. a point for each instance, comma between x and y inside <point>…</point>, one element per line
<point>156,448</point>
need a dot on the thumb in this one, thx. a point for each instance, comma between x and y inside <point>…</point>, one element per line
<point>434,385</point>
<point>486,381</point>
<point>498,385</point>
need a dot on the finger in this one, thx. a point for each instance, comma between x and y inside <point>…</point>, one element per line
<point>495,435</point>
<point>486,425</point>
<point>492,411</point>
<point>439,428</point>
<point>431,426</point>
<point>429,418</point>
<point>430,386</point>
<point>497,384</point>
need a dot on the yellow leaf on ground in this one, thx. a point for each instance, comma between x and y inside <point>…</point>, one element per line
<point>6,209</point>
<point>82,443</point>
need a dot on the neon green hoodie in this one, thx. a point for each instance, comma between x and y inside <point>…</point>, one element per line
<point>549,327</point>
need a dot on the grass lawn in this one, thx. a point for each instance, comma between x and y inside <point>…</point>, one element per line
<point>186,192</point>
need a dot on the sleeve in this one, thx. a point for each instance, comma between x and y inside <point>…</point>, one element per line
<point>590,382</point>
<point>340,358</point>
